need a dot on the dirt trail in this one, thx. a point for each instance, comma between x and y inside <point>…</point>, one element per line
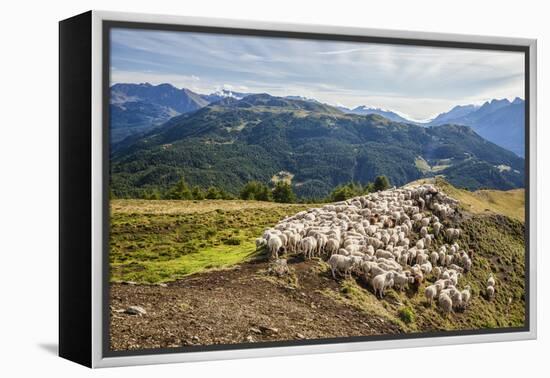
<point>243,304</point>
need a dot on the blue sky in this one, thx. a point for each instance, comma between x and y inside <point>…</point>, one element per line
<point>419,82</point>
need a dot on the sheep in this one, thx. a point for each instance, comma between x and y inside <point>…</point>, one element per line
<point>339,263</point>
<point>260,242</point>
<point>376,270</point>
<point>274,244</point>
<point>434,257</point>
<point>428,240</point>
<point>440,285</point>
<point>456,268</point>
<point>284,238</point>
<point>424,231</point>
<point>421,258</point>
<point>425,222</point>
<point>401,280</point>
<point>384,254</point>
<point>332,245</point>
<point>491,280</point>
<point>293,240</point>
<point>468,265</point>
<point>381,282</point>
<point>308,245</point>
<point>456,296</point>
<point>465,296</point>
<point>445,302</point>
<point>343,252</point>
<point>426,268</point>
<point>430,293</point>
<point>452,234</point>
<point>437,228</point>
<point>421,203</point>
<point>437,272</point>
<point>321,242</point>
<point>490,290</point>
<point>454,278</point>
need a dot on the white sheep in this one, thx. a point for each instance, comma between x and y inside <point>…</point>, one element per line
<point>445,302</point>
<point>430,293</point>
<point>465,295</point>
<point>490,292</point>
<point>332,245</point>
<point>381,282</point>
<point>434,257</point>
<point>401,280</point>
<point>339,263</point>
<point>437,228</point>
<point>426,268</point>
<point>308,246</point>
<point>452,234</point>
<point>274,244</point>
<point>260,242</point>
<point>424,231</point>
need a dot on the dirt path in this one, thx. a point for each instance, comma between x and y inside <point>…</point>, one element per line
<point>244,304</point>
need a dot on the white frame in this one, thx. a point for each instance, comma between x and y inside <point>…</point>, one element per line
<point>97,197</point>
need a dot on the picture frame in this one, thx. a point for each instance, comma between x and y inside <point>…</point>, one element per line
<point>84,107</point>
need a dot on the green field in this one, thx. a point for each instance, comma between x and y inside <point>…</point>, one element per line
<point>159,241</point>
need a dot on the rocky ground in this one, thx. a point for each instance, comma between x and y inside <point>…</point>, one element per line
<point>240,305</point>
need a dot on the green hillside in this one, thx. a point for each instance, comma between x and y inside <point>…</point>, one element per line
<point>231,142</point>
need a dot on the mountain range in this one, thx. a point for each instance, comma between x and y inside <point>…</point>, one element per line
<point>258,137</point>
<point>500,121</point>
<point>136,108</point>
<point>365,110</point>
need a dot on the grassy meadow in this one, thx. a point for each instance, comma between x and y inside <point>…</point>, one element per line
<point>156,241</point>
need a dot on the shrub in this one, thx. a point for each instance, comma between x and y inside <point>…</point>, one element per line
<point>283,193</point>
<point>210,232</point>
<point>406,314</point>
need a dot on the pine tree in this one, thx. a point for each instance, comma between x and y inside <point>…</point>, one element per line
<point>197,193</point>
<point>180,191</point>
<point>213,193</point>
<point>381,183</point>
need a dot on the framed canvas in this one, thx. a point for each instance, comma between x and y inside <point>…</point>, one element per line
<point>234,189</point>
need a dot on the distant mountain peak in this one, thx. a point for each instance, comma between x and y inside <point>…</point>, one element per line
<point>498,120</point>
<point>501,101</point>
<point>389,114</point>
<point>518,100</point>
<point>164,85</point>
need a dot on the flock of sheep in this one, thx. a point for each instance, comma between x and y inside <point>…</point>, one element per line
<point>385,237</point>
